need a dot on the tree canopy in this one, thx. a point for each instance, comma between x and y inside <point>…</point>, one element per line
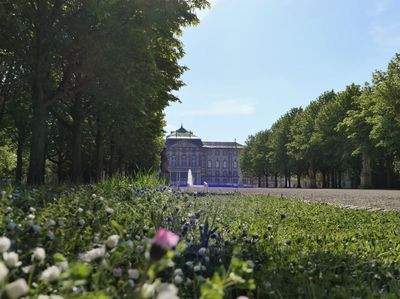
<point>351,135</point>
<point>84,83</point>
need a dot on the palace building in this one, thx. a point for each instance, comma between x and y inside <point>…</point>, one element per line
<point>216,163</point>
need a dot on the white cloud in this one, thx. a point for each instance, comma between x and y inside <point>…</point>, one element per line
<point>224,108</point>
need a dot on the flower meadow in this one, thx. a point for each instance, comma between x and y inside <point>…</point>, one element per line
<point>137,239</point>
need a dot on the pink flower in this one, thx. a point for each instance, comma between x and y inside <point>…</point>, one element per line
<point>242,297</point>
<point>165,239</point>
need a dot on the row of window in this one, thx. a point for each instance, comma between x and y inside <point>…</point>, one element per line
<point>217,152</point>
<point>184,161</point>
<point>224,173</point>
<point>224,164</point>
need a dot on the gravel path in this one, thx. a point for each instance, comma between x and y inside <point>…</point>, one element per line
<point>376,200</point>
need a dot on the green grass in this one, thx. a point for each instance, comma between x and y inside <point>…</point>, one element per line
<point>299,250</point>
<point>313,250</point>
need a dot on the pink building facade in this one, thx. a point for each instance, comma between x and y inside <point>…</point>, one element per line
<point>216,163</point>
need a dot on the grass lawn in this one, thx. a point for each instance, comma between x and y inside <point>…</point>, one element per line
<point>254,246</point>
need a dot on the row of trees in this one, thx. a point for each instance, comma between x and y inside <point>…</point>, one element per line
<point>353,134</point>
<point>84,84</point>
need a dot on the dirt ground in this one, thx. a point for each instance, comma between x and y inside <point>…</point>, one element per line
<point>376,200</point>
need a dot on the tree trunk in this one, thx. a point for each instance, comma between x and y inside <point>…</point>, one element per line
<point>333,183</point>
<point>76,167</point>
<point>388,173</point>
<point>286,180</point>
<point>20,150</point>
<point>266,181</point>
<point>311,174</point>
<point>323,178</point>
<point>289,178</point>
<point>276,180</point>
<point>99,155</point>
<point>298,180</point>
<point>340,179</point>
<point>366,172</point>
<point>38,144</point>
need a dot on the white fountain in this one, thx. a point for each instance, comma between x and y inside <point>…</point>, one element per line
<point>190,178</point>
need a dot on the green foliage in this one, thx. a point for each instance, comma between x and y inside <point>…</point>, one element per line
<point>7,162</point>
<point>84,84</point>
<point>258,246</point>
<point>352,134</point>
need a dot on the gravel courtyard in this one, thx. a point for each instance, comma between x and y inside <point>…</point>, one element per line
<point>348,198</point>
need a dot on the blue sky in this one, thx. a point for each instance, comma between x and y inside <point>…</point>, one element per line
<point>252,60</point>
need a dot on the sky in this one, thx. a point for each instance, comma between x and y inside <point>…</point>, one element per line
<point>251,61</point>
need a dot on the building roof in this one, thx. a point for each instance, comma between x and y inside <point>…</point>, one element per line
<point>182,133</point>
<point>220,144</point>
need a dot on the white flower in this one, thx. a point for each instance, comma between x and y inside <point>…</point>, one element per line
<point>32,210</point>
<point>178,271</point>
<point>39,254</point>
<point>94,196</point>
<point>133,273</point>
<point>11,259</point>
<point>17,288</point>
<point>5,244</point>
<point>178,279</point>
<point>50,274</point>
<point>202,251</point>
<point>80,210</point>
<point>112,241</point>
<point>63,265</point>
<point>3,272</point>
<point>31,217</point>
<point>197,268</point>
<point>109,210</point>
<point>167,291</point>
<point>43,297</point>
<point>3,193</point>
<point>51,222</point>
<point>93,254</point>
<point>147,290</point>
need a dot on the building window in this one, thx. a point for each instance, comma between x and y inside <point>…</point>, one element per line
<point>235,181</point>
<point>224,173</point>
<point>234,153</point>
<point>217,152</point>
<point>235,164</point>
<point>184,161</point>
<point>194,160</point>
<point>173,160</point>
<point>225,181</point>
<point>225,153</point>
<point>217,164</point>
<point>209,172</point>
<point>217,172</point>
<point>217,181</point>
<point>209,164</point>
<point>225,164</point>
<point>235,173</point>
